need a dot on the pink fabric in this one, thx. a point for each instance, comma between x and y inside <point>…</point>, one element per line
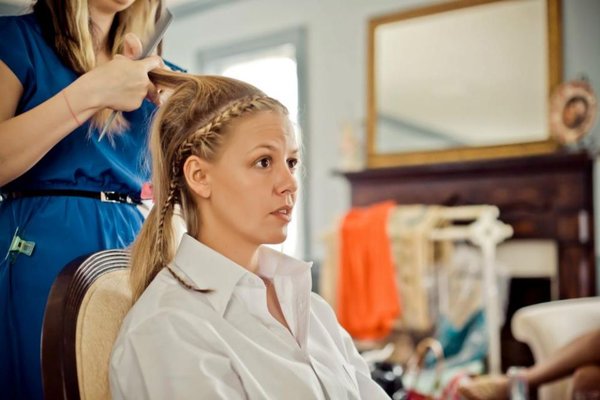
<point>146,193</point>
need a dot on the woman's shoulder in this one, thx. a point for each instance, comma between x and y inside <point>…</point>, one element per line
<point>18,24</point>
<point>21,38</point>
<point>317,301</point>
<point>323,311</point>
<point>22,46</point>
<point>166,302</point>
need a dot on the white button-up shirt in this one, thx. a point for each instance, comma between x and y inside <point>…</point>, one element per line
<point>176,343</point>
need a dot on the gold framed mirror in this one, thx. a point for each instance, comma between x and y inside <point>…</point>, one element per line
<point>462,80</point>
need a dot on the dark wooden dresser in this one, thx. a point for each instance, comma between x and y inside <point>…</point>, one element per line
<point>542,197</point>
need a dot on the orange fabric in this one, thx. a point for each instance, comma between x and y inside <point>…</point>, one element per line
<point>368,301</point>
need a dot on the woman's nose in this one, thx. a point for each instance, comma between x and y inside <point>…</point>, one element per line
<point>288,182</point>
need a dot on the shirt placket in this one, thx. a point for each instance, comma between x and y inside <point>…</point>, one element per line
<point>278,329</point>
<point>295,306</point>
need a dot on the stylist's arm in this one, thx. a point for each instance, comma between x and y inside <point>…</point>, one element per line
<point>120,84</point>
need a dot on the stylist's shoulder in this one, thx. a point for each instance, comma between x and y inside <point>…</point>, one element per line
<point>8,25</point>
<point>15,34</point>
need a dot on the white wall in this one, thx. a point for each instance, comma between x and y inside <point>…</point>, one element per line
<point>336,69</point>
<point>581,54</point>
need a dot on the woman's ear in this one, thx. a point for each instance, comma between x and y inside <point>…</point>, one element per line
<point>195,171</point>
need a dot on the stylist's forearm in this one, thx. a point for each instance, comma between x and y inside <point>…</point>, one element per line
<point>26,138</point>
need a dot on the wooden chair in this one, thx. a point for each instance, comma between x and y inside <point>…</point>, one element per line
<point>86,306</point>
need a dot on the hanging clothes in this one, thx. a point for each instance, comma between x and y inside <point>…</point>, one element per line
<point>416,257</point>
<point>367,298</point>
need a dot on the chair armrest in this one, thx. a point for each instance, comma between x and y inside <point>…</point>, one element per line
<point>548,326</point>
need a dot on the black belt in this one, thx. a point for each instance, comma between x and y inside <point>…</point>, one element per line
<point>107,197</point>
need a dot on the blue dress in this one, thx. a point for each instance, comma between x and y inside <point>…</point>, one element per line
<point>62,228</point>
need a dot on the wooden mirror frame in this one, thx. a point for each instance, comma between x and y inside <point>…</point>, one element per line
<point>377,160</point>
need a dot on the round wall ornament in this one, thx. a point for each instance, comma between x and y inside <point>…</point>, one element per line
<point>573,109</point>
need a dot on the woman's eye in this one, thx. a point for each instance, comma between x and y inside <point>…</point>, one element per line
<point>292,163</point>
<point>264,162</point>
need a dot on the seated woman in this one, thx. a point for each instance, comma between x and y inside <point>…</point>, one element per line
<point>580,357</point>
<point>224,317</point>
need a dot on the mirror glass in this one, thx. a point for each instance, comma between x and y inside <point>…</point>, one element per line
<point>461,75</point>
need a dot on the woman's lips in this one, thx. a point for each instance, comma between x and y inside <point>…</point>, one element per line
<point>284,213</point>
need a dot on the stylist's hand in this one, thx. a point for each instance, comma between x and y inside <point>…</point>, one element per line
<point>123,83</point>
<point>132,48</point>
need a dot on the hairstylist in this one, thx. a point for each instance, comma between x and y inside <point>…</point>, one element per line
<point>63,68</point>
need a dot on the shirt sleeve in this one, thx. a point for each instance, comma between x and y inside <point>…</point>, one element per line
<point>14,49</point>
<point>162,359</point>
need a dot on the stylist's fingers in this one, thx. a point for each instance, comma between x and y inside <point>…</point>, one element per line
<point>152,62</point>
<point>132,46</point>
<point>154,94</point>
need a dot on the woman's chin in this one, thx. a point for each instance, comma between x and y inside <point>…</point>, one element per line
<point>276,239</point>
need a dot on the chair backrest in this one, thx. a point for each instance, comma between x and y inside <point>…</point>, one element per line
<point>85,309</point>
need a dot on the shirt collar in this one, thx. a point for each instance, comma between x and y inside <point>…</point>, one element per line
<point>273,263</point>
<point>209,269</point>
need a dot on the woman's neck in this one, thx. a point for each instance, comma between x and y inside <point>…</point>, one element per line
<point>102,22</point>
<point>245,256</point>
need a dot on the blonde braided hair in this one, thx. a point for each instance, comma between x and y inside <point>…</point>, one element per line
<point>191,122</point>
<point>198,140</point>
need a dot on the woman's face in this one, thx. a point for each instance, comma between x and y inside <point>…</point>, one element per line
<point>252,183</point>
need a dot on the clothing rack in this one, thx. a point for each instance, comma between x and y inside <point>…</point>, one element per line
<point>486,231</point>
<point>479,225</point>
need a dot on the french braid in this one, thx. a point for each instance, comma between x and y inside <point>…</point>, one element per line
<point>184,282</point>
<point>167,207</point>
<point>202,137</point>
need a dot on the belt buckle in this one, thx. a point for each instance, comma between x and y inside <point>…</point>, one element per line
<point>112,197</point>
